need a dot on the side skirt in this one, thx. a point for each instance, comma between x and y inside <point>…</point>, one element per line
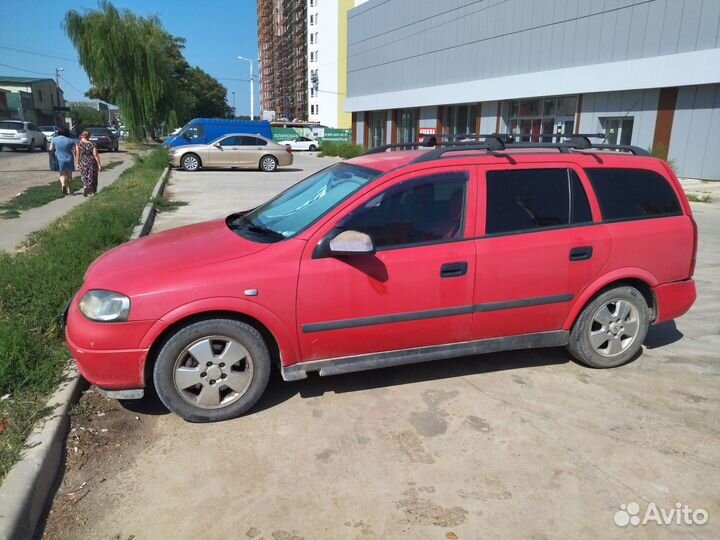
<point>363,362</point>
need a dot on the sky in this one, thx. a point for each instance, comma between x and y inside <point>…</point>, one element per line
<point>217,32</point>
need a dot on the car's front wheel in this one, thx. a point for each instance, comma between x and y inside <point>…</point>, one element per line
<point>611,329</point>
<point>190,162</point>
<point>212,370</point>
<point>268,163</point>
<point>312,148</point>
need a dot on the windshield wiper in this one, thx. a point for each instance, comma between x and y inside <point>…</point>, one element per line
<point>264,231</point>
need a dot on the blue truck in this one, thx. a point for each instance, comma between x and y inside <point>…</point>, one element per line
<point>206,130</point>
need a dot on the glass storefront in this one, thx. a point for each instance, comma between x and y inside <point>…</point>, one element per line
<point>528,119</point>
<point>459,119</point>
<point>378,128</point>
<point>407,121</point>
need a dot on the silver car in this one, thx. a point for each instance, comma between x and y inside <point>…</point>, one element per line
<point>232,150</point>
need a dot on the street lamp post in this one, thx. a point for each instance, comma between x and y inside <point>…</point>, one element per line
<point>252,85</point>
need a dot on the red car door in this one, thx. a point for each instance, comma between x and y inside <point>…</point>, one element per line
<point>415,291</point>
<point>542,243</point>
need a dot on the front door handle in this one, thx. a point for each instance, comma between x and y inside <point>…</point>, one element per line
<point>454,269</point>
<point>581,253</point>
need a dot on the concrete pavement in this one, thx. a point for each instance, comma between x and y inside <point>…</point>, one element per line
<point>13,232</point>
<point>523,444</point>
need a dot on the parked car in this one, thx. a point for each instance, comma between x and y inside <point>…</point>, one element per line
<point>206,130</point>
<point>16,134</point>
<point>103,138</point>
<point>48,131</point>
<point>301,143</point>
<point>392,258</point>
<point>233,150</point>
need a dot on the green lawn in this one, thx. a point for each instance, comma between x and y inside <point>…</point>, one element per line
<point>41,195</point>
<point>37,282</point>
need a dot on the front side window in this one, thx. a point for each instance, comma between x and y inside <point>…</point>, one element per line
<point>303,204</point>
<point>633,194</point>
<point>525,200</point>
<point>193,132</point>
<point>427,209</point>
<point>230,141</point>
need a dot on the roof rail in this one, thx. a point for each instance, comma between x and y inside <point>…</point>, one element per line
<point>497,142</point>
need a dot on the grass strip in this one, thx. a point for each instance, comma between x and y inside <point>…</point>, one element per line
<point>37,196</point>
<point>37,282</point>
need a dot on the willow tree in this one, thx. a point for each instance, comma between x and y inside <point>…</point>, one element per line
<point>126,58</point>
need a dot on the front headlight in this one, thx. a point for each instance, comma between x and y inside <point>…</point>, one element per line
<point>105,306</point>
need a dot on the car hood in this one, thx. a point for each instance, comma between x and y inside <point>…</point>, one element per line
<point>186,147</point>
<point>168,253</point>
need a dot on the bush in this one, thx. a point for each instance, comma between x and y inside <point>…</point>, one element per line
<point>37,282</point>
<point>661,151</point>
<point>343,150</point>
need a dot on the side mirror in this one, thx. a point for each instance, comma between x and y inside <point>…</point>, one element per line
<point>352,243</point>
<point>217,145</point>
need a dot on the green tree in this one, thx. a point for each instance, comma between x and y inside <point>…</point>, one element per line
<point>127,60</point>
<point>133,62</point>
<point>83,116</point>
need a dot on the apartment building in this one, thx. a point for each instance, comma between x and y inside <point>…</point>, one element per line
<point>282,47</point>
<point>643,73</point>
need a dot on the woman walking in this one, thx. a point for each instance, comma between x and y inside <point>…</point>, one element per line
<point>64,148</point>
<point>88,162</point>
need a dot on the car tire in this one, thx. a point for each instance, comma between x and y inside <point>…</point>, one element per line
<point>31,148</point>
<point>312,148</point>
<point>268,163</point>
<point>45,145</point>
<point>611,329</point>
<point>195,353</point>
<point>190,162</point>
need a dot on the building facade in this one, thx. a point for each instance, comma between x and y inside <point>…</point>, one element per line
<point>282,49</point>
<point>642,72</point>
<point>39,101</point>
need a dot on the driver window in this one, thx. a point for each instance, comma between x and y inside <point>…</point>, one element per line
<point>229,141</point>
<point>194,132</point>
<point>427,209</point>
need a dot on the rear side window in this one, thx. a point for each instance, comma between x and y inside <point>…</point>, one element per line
<point>633,194</point>
<point>252,141</point>
<point>529,199</point>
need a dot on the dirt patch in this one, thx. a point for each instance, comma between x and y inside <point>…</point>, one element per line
<point>101,431</point>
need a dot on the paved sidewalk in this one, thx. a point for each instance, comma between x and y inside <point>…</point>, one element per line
<point>14,231</point>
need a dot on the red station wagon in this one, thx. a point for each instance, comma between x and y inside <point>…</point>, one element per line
<point>394,257</point>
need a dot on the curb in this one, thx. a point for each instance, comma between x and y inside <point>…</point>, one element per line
<point>147,218</point>
<point>28,485</point>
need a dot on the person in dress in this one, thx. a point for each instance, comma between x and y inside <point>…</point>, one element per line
<point>88,161</point>
<point>64,149</point>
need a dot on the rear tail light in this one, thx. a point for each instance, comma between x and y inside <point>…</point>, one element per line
<point>288,150</point>
<point>695,246</point>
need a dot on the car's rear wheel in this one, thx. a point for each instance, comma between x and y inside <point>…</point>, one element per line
<point>312,148</point>
<point>212,370</point>
<point>190,162</point>
<point>45,145</point>
<point>268,163</point>
<point>31,148</point>
<point>611,329</point>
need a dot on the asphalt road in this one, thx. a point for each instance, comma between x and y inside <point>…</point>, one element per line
<point>523,444</point>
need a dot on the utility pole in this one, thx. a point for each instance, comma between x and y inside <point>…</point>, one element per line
<point>57,85</point>
<point>234,110</point>
<point>252,85</point>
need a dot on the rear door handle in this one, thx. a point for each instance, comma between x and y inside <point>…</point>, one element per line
<point>581,253</point>
<point>454,269</point>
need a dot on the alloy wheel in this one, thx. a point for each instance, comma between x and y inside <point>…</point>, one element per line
<point>614,327</point>
<point>190,163</point>
<point>213,372</point>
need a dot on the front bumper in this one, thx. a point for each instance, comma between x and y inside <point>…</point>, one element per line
<point>107,354</point>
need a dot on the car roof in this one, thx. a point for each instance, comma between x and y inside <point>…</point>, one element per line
<point>387,161</point>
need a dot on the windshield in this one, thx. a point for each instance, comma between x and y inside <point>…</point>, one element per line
<point>304,203</point>
<point>47,128</point>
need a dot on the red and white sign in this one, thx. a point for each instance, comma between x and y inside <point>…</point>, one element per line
<point>427,131</point>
